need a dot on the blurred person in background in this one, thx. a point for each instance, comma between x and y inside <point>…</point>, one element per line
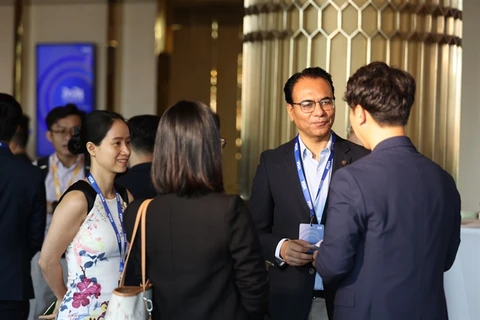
<point>203,254</point>
<point>137,179</point>
<point>22,217</point>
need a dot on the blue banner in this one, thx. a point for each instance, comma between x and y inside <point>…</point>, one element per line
<point>65,74</point>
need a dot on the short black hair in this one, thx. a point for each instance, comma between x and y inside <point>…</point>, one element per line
<point>312,73</point>
<point>10,116</point>
<point>23,132</point>
<point>187,159</point>
<point>387,93</point>
<point>143,129</point>
<point>62,112</point>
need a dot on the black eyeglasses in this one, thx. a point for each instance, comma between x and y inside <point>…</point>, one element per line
<point>64,131</point>
<point>308,106</point>
<point>223,142</point>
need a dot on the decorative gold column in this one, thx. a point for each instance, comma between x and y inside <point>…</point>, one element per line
<point>284,37</point>
<point>114,17</point>
<point>163,51</point>
<point>18,47</point>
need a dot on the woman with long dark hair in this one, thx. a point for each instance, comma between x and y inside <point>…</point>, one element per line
<point>203,254</point>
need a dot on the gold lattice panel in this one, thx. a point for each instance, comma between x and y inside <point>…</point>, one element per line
<point>284,37</point>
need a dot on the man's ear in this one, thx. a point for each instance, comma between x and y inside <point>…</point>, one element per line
<point>360,114</point>
<point>91,148</point>
<point>49,136</point>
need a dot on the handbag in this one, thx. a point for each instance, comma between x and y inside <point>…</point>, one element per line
<point>133,302</point>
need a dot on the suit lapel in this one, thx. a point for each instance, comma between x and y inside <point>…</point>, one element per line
<point>341,158</point>
<point>295,186</point>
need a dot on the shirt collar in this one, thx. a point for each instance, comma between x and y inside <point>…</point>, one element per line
<point>305,152</point>
<point>59,164</point>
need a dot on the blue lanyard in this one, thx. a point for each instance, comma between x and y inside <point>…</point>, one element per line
<point>3,145</point>
<point>110,217</point>
<point>303,180</point>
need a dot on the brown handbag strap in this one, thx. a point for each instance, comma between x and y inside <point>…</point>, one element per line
<point>142,211</point>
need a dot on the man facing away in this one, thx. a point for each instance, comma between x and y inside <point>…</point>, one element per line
<point>137,180</point>
<point>393,217</point>
<point>22,217</point>
<point>281,193</point>
<point>60,170</point>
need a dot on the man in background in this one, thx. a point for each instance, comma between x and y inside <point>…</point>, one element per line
<point>22,217</point>
<point>18,144</point>
<point>393,216</point>
<point>137,180</point>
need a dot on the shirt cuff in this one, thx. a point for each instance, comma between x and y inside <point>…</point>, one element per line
<point>280,261</point>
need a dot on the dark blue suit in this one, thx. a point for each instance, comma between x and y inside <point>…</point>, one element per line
<point>22,224</point>
<point>393,229</point>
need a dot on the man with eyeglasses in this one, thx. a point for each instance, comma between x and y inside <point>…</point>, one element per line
<point>60,170</point>
<point>289,197</point>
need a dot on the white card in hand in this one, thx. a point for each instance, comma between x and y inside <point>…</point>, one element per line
<point>312,233</point>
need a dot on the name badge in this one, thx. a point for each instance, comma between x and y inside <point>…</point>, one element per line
<point>312,233</point>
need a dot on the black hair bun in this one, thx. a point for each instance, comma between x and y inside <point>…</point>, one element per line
<point>76,145</point>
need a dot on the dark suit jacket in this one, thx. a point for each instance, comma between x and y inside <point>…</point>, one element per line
<point>203,258</point>
<point>22,224</point>
<point>138,181</point>
<point>278,207</point>
<point>393,229</point>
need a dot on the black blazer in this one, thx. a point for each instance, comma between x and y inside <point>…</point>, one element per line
<point>278,207</point>
<point>137,180</point>
<point>22,224</point>
<point>394,229</point>
<point>203,258</point>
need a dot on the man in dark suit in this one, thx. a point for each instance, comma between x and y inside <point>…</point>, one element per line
<point>22,217</point>
<point>394,216</point>
<point>278,202</point>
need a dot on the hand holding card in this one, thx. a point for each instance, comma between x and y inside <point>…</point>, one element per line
<point>311,233</point>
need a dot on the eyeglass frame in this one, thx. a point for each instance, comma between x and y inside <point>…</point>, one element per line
<point>63,132</point>
<point>315,102</point>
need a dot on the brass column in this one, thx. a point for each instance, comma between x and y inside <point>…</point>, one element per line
<point>163,51</point>
<point>114,20</point>
<point>283,37</point>
<point>18,49</point>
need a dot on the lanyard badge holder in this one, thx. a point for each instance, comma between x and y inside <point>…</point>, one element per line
<point>310,232</point>
<point>119,235</point>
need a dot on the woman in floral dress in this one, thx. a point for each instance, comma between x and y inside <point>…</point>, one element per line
<point>87,224</point>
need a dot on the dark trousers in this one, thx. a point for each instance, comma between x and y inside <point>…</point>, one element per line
<point>14,310</point>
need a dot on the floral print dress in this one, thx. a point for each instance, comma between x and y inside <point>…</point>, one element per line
<point>93,263</point>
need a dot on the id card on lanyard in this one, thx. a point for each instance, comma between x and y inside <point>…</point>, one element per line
<point>314,231</point>
<point>121,236</point>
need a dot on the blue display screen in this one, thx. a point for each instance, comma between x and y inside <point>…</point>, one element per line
<point>65,74</point>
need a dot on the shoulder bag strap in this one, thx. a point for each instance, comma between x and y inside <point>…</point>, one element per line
<point>144,245</point>
<point>140,213</point>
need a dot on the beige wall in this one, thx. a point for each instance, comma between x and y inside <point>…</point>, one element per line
<point>7,49</point>
<point>137,68</point>
<point>469,167</point>
<point>62,23</point>
<point>87,22</point>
